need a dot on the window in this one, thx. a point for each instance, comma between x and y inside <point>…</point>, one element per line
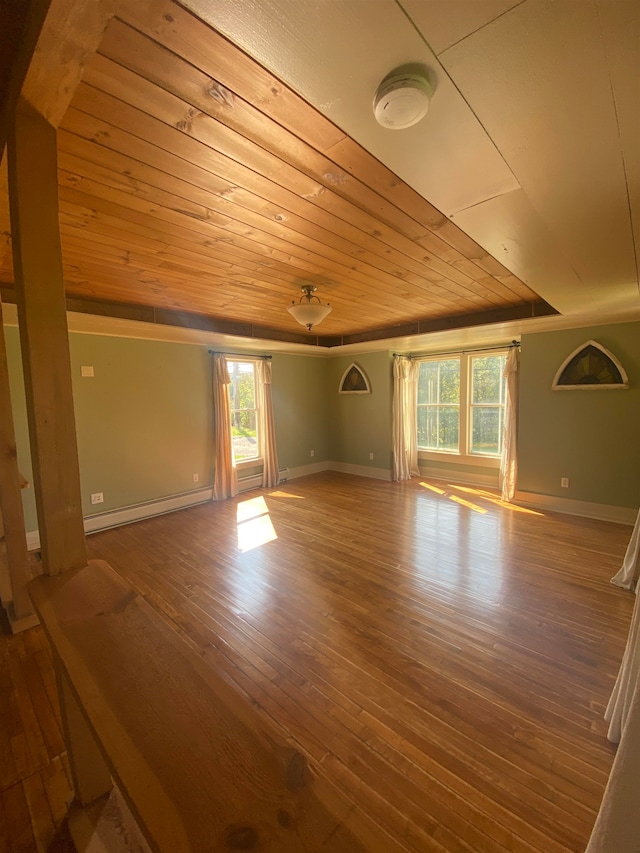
<point>488,388</point>
<point>244,411</point>
<point>461,405</point>
<point>439,405</point>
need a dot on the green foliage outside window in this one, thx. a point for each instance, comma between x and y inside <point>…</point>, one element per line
<point>487,404</point>
<point>242,397</point>
<point>454,392</point>
<point>439,404</point>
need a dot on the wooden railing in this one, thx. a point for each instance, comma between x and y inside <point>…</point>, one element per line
<point>194,763</point>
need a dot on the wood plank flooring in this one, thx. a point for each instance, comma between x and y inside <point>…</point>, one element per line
<point>444,658</point>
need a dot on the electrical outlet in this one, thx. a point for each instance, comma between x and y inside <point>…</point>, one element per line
<point>564,482</point>
<point>97,498</point>
<point>196,478</point>
<point>371,456</point>
<point>86,370</point>
<point>312,453</point>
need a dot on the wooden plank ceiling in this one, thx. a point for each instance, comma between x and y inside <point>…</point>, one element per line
<point>194,183</point>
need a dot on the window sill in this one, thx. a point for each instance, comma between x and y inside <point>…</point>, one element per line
<point>459,458</point>
<point>256,462</point>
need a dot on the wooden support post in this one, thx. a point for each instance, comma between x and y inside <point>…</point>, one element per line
<point>91,777</point>
<point>33,195</point>
<point>15,539</point>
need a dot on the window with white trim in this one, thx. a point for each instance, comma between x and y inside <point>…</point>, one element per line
<point>243,399</point>
<point>461,401</point>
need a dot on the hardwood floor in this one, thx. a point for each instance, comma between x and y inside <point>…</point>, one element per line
<point>444,658</point>
<point>35,780</point>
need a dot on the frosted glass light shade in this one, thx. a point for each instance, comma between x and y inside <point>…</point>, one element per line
<point>309,313</point>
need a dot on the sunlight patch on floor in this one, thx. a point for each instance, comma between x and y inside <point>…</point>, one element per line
<point>280,494</point>
<point>255,527</point>
<point>474,507</point>
<point>433,488</point>
<point>251,508</point>
<point>488,496</point>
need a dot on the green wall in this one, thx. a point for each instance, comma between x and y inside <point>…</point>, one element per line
<point>591,437</point>
<point>300,410</point>
<point>361,424</point>
<point>144,421</point>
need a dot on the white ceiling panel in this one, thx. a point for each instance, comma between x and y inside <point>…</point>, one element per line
<point>536,78</point>
<point>443,23</point>
<point>335,53</point>
<point>621,31</point>
<point>511,230</point>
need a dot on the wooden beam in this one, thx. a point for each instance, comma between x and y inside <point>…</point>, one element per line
<point>22,22</point>
<point>70,36</point>
<point>14,545</point>
<point>33,192</point>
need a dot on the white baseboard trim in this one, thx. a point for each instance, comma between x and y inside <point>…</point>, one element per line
<point>116,517</point>
<point>245,484</point>
<point>601,512</point>
<point>303,471</point>
<point>360,470</point>
<point>451,475</point>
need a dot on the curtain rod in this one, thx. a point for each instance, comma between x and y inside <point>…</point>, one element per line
<point>239,354</point>
<point>459,351</point>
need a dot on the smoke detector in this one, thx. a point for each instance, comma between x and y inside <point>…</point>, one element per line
<point>402,99</point>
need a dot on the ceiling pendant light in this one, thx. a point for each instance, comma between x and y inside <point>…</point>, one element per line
<point>309,311</point>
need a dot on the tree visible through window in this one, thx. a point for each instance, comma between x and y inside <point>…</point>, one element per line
<point>488,388</point>
<point>439,404</point>
<point>244,413</point>
<point>461,402</point>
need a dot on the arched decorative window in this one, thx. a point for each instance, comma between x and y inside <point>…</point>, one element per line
<point>354,381</point>
<point>590,367</point>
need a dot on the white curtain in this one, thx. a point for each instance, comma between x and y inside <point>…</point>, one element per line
<point>266,429</point>
<point>627,577</point>
<point>617,827</point>
<point>509,461</point>
<point>225,480</point>
<point>405,426</point>
<point>629,674</point>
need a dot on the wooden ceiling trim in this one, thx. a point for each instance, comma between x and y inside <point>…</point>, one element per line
<point>130,276</point>
<point>441,268</point>
<point>201,143</point>
<point>150,314</point>
<point>139,148</point>
<point>158,289</point>
<point>193,179</point>
<point>539,308</point>
<point>223,196</point>
<point>103,136</point>
<point>471,272</point>
<point>347,260</point>
<point>159,200</point>
<point>188,37</point>
<point>219,59</point>
<point>306,263</point>
<point>149,77</point>
<point>173,110</point>
<point>193,40</point>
